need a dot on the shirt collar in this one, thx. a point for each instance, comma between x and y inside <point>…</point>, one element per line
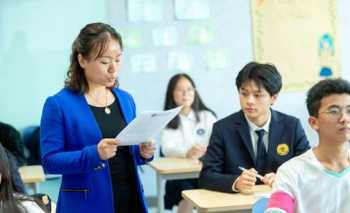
<point>254,127</point>
<point>190,116</point>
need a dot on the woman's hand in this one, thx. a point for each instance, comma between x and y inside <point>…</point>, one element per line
<point>107,148</point>
<point>147,149</point>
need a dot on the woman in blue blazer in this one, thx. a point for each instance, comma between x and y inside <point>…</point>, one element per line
<point>79,125</point>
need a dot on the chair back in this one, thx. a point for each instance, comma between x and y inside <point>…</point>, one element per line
<point>260,205</point>
<point>31,140</point>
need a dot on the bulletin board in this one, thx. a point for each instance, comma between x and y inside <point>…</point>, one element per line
<point>299,37</point>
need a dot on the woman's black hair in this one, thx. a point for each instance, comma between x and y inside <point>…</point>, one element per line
<point>197,104</point>
<point>11,139</point>
<point>8,202</point>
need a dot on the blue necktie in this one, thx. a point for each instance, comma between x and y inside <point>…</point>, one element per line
<point>261,155</point>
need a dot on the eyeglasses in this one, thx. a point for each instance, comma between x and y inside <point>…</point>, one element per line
<point>337,112</point>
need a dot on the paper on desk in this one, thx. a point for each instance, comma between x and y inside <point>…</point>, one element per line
<point>146,126</point>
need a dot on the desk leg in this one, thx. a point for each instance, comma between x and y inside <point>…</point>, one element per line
<point>160,194</point>
<point>36,187</point>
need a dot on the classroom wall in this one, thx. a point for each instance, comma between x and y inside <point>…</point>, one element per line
<point>35,43</point>
<point>36,36</point>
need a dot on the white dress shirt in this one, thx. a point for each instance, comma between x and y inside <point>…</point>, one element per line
<point>254,136</point>
<point>254,139</point>
<point>176,142</point>
<point>31,206</point>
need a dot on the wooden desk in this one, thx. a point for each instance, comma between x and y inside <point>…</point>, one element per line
<point>173,169</point>
<point>32,176</point>
<point>211,201</point>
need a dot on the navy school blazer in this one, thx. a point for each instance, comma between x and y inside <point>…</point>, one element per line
<point>230,146</point>
<point>69,138</point>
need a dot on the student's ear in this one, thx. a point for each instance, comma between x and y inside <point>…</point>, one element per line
<point>82,61</point>
<point>274,98</point>
<point>313,122</point>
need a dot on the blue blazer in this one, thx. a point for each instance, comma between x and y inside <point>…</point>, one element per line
<point>230,146</point>
<point>69,138</point>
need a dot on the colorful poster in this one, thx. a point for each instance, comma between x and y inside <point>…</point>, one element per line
<point>299,37</point>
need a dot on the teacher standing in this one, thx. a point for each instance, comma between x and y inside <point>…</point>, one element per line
<point>79,125</point>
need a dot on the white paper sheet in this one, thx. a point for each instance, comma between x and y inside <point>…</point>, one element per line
<point>145,126</point>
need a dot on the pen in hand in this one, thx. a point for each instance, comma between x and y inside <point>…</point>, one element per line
<point>257,175</point>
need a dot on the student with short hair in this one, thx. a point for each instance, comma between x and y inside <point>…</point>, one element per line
<point>319,180</point>
<point>186,136</point>
<point>256,138</point>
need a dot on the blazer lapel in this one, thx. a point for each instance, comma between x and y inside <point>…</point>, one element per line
<point>244,132</point>
<point>123,106</point>
<point>275,131</point>
<point>89,120</point>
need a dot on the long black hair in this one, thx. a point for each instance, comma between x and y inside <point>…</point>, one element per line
<point>10,200</point>
<point>197,104</point>
<point>8,203</point>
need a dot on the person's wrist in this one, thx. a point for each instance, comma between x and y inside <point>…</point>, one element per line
<point>99,152</point>
<point>234,185</point>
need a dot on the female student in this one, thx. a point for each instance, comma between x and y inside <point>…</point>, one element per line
<point>79,125</point>
<point>11,201</point>
<point>187,135</point>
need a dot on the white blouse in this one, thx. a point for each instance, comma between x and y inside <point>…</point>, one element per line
<point>176,142</point>
<point>32,207</point>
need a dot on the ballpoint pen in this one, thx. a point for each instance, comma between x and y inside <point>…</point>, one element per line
<point>257,175</point>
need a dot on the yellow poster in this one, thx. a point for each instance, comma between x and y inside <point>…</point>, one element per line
<point>299,37</point>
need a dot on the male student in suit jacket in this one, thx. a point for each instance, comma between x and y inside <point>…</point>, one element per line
<point>256,137</point>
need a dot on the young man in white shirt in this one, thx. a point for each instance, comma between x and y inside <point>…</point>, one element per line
<point>319,180</point>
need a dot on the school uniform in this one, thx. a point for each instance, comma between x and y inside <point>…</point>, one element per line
<point>176,143</point>
<point>29,204</point>
<point>231,146</point>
